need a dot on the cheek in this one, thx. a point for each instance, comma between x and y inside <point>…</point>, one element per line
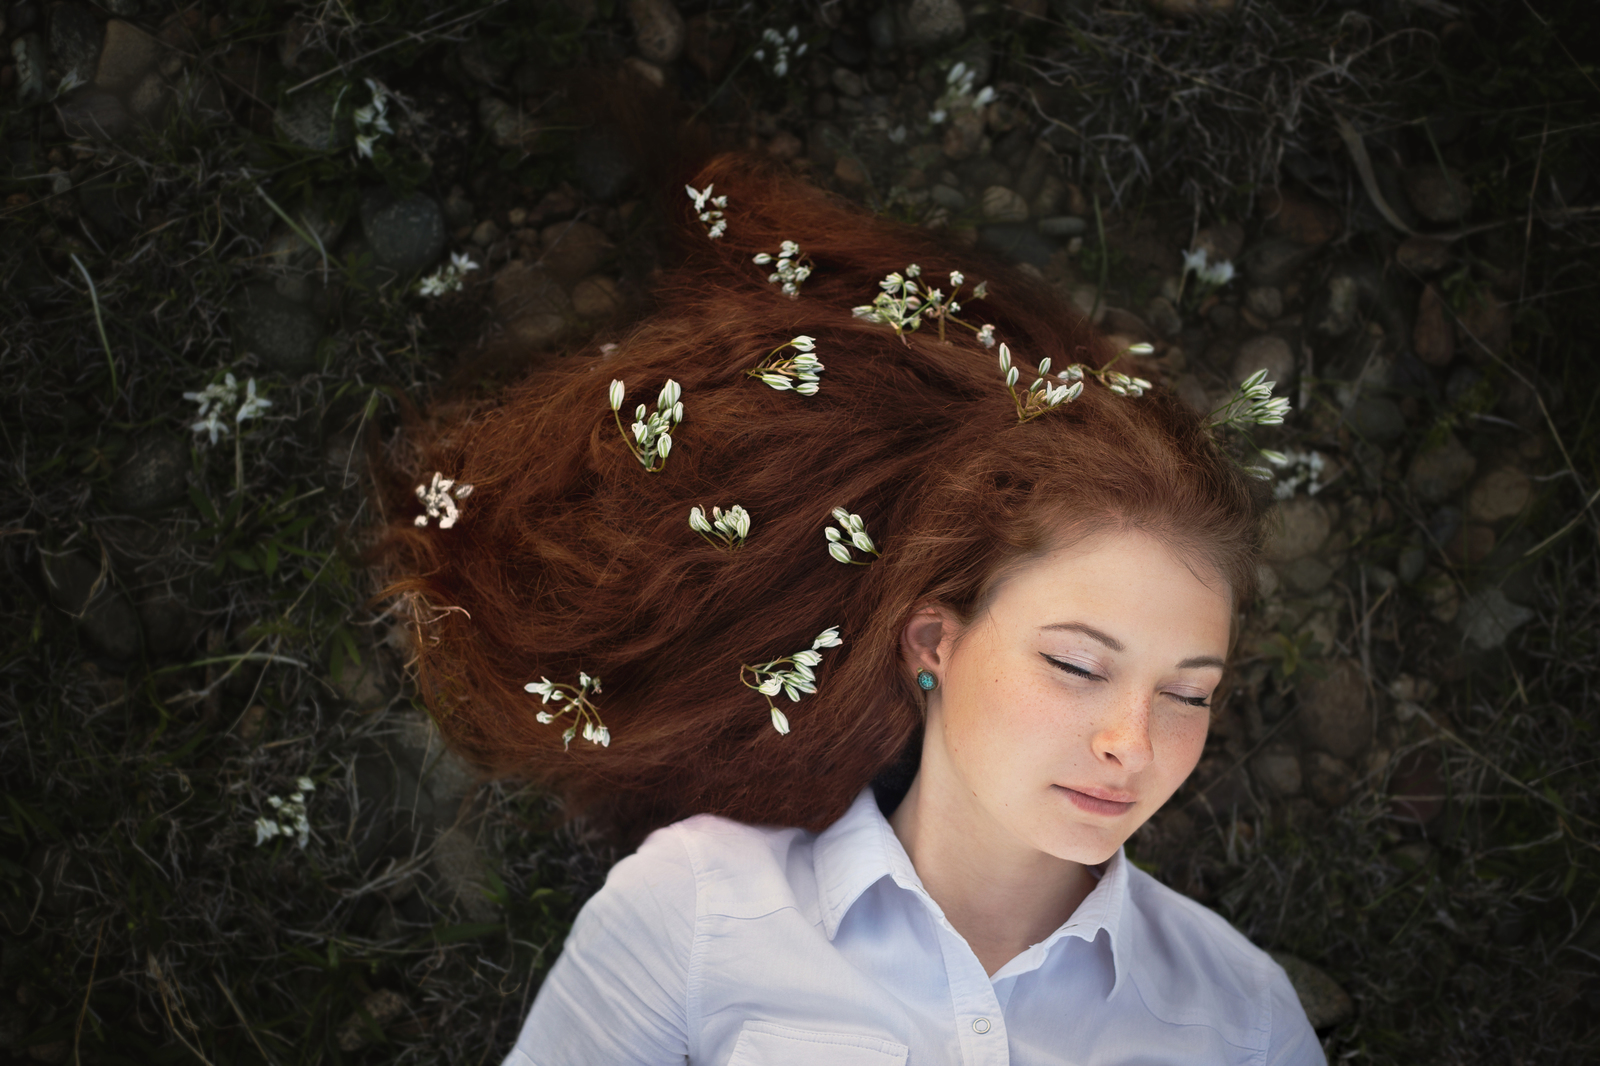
<point>1179,740</point>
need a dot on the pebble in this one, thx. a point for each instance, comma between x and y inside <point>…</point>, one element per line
<point>1335,714</point>
<point>485,233</point>
<point>646,71</point>
<point>1328,779</point>
<point>128,55</point>
<point>508,126</point>
<point>963,134</point>
<point>1501,493</point>
<point>848,82</point>
<point>1438,473</point>
<point>1278,769</point>
<point>1268,352</point>
<point>1307,576</point>
<point>1376,418</point>
<point>659,30</point>
<point>1272,261</point>
<point>1019,241</point>
<point>74,39</point>
<point>407,235</point>
<point>1339,307</point>
<point>1471,544</point>
<point>382,1007</point>
<point>307,119</point>
<point>1325,1003</point>
<point>596,297</point>
<point>27,51</point>
<point>1486,324</point>
<point>849,170</point>
<point>1487,618</point>
<point>1302,528</point>
<point>948,197</point>
<point>1265,300</point>
<point>1001,204</point>
<point>280,332</point>
<point>572,250</point>
<point>103,614</point>
<point>1439,195</point>
<point>154,477</point>
<point>1433,337</point>
<point>1063,226</point>
<point>1300,218</point>
<point>1423,255</point>
<point>534,306</point>
<point>925,24</point>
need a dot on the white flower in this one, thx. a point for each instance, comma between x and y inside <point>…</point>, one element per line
<point>616,394</point>
<point>305,784</point>
<point>828,638</point>
<point>711,215</point>
<point>771,686</point>
<point>780,721</point>
<point>253,405</point>
<point>986,336</point>
<point>449,278</point>
<point>439,500</point>
<point>1217,274</point>
<point>1194,261</point>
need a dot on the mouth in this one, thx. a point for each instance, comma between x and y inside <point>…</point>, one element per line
<point>1106,802</point>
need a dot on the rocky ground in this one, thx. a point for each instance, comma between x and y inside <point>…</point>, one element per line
<point>1362,199</point>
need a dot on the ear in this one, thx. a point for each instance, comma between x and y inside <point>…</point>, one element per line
<point>927,638</point>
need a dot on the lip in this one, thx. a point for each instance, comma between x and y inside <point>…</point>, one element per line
<point>1102,801</point>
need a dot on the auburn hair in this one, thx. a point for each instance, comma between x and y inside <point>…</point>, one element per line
<point>570,557</point>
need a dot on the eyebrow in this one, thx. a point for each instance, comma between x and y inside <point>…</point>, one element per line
<point>1192,663</point>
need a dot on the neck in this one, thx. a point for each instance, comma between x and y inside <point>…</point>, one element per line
<point>1000,894</point>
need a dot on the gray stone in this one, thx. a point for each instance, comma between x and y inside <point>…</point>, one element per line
<point>153,477</point>
<point>947,197</point>
<point>605,168</point>
<point>407,236</point>
<point>1001,204</point>
<point>28,53</point>
<point>596,297</point>
<point>74,40</point>
<point>1307,576</point>
<point>573,250</point>
<point>1274,260</point>
<point>535,308</point>
<point>1424,255</point>
<point>308,119</point>
<point>1019,241</point>
<point>1325,1003</point>
<point>1062,226</point>
<point>1439,195</point>
<point>1499,494</point>
<point>1303,526</point>
<point>1488,617</point>
<point>1278,770</point>
<point>1335,713</point>
<point>659,30</point>
<point>1268,352</point>
<point>1376,418</point>
<point>930,23</point>
<point>282,333</point>
<point>848,82</point>
<point>1265,300</point>
<point>128,55</point>
<point>79,587</point>
<point>1438,473</point>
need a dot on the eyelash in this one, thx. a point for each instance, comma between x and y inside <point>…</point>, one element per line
<point>1078,671</point>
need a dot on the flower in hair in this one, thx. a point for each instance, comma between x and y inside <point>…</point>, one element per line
<point>851,532</point>
<point>573,700</point>
<point>652,430</point>
<point>790,268</point>
<point>793,675</point>
<point>1041,396</point>
<point>1252,404</point>
<point>905,302</point>
<point>716,224</point>
<point>800,372</point>
<point>439,499</point>
<point>729,529</point>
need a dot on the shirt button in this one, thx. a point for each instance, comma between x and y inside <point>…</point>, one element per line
<point>980,1025</point>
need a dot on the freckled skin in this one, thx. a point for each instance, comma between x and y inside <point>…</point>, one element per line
<point>990,822</point>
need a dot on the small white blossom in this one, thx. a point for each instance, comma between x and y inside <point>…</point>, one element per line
<point>709,209</point>
<point>726,529</point>
<point>790,268</point>
<point>288,817</point>
<point>802,372</point>
<point>372,121</point>
<point>439,498</point>
<point>851,528</point>
<point>220,399</point>
<point>793,675</point>
<point>573,700</point>
<point>782,46</point>
<point>1297,469</point>
<point>448,278</point>
<point>652,430</point>
<point>1252,404</point>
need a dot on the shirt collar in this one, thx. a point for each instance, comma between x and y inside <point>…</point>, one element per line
<point>860,849</point>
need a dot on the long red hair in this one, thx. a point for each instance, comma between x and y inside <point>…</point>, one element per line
<point>570,557</point>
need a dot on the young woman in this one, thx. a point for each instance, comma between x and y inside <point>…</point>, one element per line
<point>895,705</point>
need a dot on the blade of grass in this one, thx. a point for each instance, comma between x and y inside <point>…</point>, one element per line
<point>99,322</point>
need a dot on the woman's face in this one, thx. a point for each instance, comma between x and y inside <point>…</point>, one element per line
<point>1073,706</point>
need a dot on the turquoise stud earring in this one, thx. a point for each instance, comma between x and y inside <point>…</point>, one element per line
<point>926,681</point>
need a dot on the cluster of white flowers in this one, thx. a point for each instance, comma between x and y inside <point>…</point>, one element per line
<point>439,498</point>
<point>220,399</point>
<point>288,817</point>
<point>851,527</point>
<point>1041,396</point>
<point>905,302</point>
<point>730,527</point>
<point>802,372</point>
<point>1301,468</point>
<point>1209,275</point>
<point>716,224</point>
<point>958,94</point>
<point>652,430</point>
<point>784,46</point>
<point>793,675</point>
<point>448,278</point>
<point>574,701</point>
<point>372,121</point>
<point>1250,405</point>
<point>789,269</point>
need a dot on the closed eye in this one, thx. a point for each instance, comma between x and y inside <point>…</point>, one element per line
<point>1193,701</point>
<point>1071,668</point>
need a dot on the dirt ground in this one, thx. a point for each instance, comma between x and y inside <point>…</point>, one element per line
<point>241,241</point>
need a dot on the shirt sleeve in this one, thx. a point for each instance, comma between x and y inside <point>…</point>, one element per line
<point>1294,1042</point>
<point>617,994</point>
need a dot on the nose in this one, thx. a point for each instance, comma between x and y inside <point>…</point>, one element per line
<point>1123,739</point>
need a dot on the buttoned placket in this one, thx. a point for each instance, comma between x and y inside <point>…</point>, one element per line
<point>980,1023</point>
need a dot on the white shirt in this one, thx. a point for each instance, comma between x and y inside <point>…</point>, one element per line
<point>724,943</point>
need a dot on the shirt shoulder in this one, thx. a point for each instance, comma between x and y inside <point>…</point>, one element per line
<point>1191,967</point>
<point>739,870</point>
